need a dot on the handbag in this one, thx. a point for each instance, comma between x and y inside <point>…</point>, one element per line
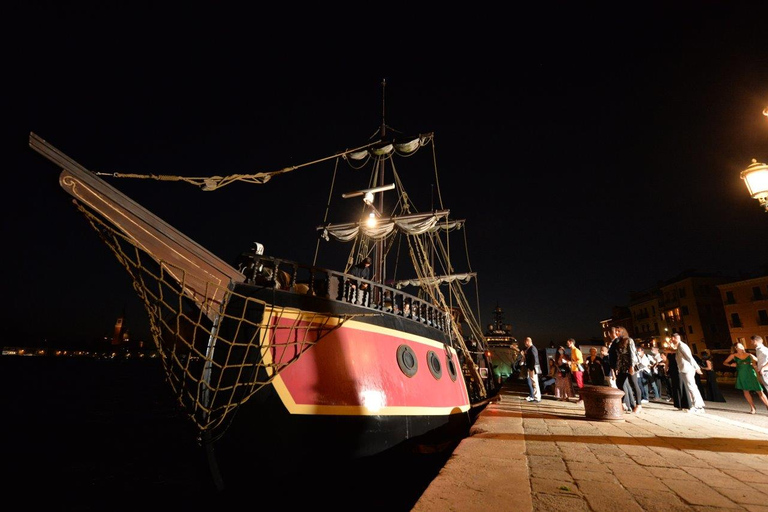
<point>537,369</point>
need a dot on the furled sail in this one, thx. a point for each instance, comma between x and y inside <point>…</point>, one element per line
<point>402,147</point>
<point>436,280</point>
<point>414,224</point>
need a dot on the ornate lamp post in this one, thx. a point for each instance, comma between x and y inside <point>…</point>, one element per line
<point>756,178</point>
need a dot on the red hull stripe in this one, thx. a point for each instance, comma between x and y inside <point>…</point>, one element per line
<point>353,370</point>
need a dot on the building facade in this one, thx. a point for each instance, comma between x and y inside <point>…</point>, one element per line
<point>746,308</point>
<point>691,306</point>
<point>645,312</point>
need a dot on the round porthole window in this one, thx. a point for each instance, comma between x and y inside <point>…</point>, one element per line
<point>406,359</point>
<point>452,371</point>
<point>435,366</point>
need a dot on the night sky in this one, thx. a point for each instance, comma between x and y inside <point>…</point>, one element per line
<point>593,153</point>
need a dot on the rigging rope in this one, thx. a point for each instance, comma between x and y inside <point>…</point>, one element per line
<point>211,183</point>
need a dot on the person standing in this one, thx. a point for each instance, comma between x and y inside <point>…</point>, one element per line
<point>608,380</point>
<point>532,364</point>
<point>662,375</point>
<point>618,332</point>
<point>361,270</point>
<point>746,375</point>
<point>679,397</point>
<point>644,375</point>
<point>656,360</point>
<point>549,380</point>
<point>762,359</point>
<point>594,368</point>
<point>698,377</point>
<point>713,390</point>
<point>688,368</point>
<point>577,365</point>
<point>249,262</point>
<point>626,364</point>
<point>563,383</point>
<point>612,356</point>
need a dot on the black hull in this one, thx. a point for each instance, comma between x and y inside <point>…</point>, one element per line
<point>264,441</point>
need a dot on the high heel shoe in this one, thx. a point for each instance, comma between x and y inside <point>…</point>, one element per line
<point>752,411</point>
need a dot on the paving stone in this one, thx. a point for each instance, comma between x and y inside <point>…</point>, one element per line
<point>630,470</point>
<point>749,475</point>
<point>674,474</point>
<point>713,477</point>
<point>631,481</point>
<point>743,495</point>
<point>544,502</point>
<point>608,497</point>
<point>696,493</point>
<point>554,485</point>
<point>654,500</point>
<point>576,453</point>
<point>546,448</point>
<point>592,466</point>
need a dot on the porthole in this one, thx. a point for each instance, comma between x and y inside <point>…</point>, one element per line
<point>451,365</point>
<point>406,359</point>
<point>435,366</point>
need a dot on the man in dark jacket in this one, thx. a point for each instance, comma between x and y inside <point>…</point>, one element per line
<point>363,271</point>
<point>532,365</point>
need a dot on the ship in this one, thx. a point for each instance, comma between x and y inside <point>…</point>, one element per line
<point>283,364</point>
<point>503,347</point>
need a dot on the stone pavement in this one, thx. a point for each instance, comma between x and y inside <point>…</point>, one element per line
<point>547,456</point>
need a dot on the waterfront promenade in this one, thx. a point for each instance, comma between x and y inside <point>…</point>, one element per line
<point>547,456</point>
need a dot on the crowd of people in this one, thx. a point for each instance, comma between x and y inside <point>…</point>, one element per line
<point>673,374</point>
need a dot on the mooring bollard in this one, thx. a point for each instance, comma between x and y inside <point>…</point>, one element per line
<point>602,403</point>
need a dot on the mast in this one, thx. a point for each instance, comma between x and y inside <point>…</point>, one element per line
<point>380,267</point>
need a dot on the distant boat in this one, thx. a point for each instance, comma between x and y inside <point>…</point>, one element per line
<point>279,363</point>
<point>502,346</point>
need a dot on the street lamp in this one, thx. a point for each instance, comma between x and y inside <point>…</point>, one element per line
<point>756,178</point>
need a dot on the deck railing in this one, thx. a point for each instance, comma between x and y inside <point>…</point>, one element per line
<point>330,284</point>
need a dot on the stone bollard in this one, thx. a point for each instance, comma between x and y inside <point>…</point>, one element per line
<point>602,403</point>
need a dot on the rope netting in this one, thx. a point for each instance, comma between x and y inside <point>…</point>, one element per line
<point>216,353</point>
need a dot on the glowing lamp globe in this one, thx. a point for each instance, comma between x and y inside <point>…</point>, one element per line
<point>756,178</point>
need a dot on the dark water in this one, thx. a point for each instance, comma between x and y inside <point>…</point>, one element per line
<point>82,434</point>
